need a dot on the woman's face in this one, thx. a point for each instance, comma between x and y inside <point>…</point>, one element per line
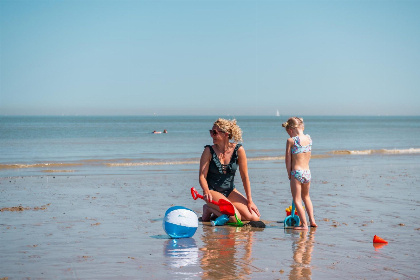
<point>217,134</point>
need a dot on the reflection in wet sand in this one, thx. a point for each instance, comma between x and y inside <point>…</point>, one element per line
<point>302,255</point>
<point>181,253</point>
<point>226,253</point>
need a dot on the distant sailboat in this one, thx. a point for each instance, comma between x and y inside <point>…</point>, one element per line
<point>277,113</point>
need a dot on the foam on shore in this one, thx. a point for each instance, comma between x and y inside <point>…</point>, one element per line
<point>379,151</point>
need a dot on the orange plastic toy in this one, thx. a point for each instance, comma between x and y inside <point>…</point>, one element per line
<point>377,239</point>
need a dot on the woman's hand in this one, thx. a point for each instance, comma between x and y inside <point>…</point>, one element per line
<point>253,208</point>
<point>207,197</point>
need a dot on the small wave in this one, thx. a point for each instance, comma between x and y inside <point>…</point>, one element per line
<point>403,151</point>
<point>380,151</point>
<point>265,158</point>
<point>66,167</point>
<point>348,152</point>
<point>37,165</point>
<point>150,163</point>
<point>57,171</point>
<point>320,156</point>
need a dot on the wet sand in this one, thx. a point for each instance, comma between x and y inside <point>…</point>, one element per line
<point>110,226</point>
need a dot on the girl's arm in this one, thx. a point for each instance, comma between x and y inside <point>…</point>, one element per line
<point>243,169</point>
<point>204,168</point>
<point>288,156</point>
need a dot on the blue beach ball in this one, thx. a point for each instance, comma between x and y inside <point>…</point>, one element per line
<point>180,222</point>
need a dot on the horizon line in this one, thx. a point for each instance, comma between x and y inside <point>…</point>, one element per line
<point>203,115</point>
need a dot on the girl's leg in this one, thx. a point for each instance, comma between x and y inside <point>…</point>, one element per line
<point>296,188</point>
<point>308,203</point>
<point>241,204</point>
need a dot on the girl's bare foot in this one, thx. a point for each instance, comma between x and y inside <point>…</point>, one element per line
<point>313,224</point>
<point>301,228</point>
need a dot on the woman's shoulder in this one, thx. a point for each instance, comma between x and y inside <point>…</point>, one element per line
<point>208,148</point>
<point>238,146</point>
<point>240,150</point>
<point>207,152</point>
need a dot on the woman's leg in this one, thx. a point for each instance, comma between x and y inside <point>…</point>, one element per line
<point>241,204</point>
<point>210,208</point>
<point>208,211</point>
<point>308,203</point>
<point>296,188</point>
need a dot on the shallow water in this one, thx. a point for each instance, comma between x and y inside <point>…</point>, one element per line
<point>110,226</point>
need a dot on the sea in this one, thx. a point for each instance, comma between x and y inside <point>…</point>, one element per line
<point>95,145</point>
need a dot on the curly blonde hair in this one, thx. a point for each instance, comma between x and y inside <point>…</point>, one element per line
<point>293,122</point>
<point>230,126</point>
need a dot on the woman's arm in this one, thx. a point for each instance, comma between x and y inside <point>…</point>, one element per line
<point>288,156</point>
<point>204,168</point>
<point>243,169</point>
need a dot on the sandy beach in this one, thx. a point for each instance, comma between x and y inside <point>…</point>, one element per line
<point>110,226</point>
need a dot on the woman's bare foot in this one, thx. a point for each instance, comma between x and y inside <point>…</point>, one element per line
<point>206,213</point>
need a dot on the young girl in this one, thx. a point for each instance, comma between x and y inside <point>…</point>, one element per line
<point>298,154</point>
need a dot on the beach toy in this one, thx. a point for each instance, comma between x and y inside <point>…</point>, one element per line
<point>180,222</point>
<point>292,220</point>
<point>377,239</point>
<point>238,222</point>
<point>289,210</point>
<point>220,221</point>
<point>224,206</point>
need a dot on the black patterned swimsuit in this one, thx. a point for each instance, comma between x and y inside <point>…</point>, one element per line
<point>220,177</point>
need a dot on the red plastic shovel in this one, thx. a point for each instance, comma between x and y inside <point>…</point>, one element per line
<point>224,206</point>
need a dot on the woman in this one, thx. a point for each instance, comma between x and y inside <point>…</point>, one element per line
<point>218,165</point>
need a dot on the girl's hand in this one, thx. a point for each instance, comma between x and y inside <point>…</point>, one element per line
<point>253,208</point>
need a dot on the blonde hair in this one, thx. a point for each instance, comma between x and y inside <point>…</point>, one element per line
<point>230,126</point>
<point>293,122</point>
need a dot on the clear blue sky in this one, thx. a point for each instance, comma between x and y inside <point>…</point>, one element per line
<point>210,57</point>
